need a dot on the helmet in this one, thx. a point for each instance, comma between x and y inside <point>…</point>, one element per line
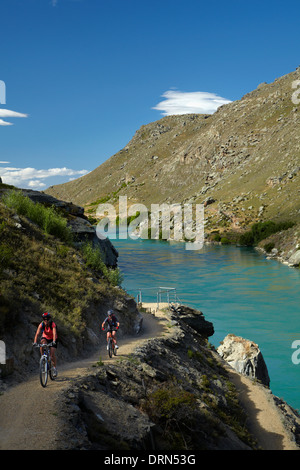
<point>46,316</point>
<point>110,312</point>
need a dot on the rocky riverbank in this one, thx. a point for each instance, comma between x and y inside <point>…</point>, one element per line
<point>174,392</point>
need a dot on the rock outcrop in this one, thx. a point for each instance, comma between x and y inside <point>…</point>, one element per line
<point>171,393</point>
<point>79,224</point>
<point>195,319</point>
<point>245,357</point>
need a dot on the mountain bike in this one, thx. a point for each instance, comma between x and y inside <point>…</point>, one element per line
<point>110,344</point>
<point>46,366</point>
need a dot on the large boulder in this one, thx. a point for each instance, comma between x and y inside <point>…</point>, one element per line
<point>294,260</point>
<point>245,357</point>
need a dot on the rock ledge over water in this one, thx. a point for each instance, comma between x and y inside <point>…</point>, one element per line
<point>245,357</point>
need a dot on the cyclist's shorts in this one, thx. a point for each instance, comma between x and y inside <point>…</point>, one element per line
<point>50,341</point>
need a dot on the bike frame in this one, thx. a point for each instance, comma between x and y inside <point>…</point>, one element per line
<point>111,345</point>
<point>45,364</point>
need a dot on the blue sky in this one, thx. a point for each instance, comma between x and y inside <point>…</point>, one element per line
<point>86,74</point>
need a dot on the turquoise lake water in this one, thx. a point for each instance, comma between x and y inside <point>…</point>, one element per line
<point>237,289</point>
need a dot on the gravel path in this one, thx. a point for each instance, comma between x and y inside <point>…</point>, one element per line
<point>29,420</point>
<point>28,416</point>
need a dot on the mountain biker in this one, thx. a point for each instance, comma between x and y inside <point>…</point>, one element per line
<point>112,325</point>
<point>49,335</point>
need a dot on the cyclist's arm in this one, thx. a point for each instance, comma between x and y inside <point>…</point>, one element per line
<point>54,334</point>
<point>37,333</point>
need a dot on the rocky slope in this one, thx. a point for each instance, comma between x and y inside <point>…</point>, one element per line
<point>39,272</point>
<point>81,228</point>
<point>243,160</point>
<point>172,393</point>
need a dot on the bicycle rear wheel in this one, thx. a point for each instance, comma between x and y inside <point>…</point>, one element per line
<point>51,372</point>
<point>110,347</point>
<point>43,371</point>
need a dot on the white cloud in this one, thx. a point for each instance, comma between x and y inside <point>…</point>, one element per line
<point>33,178</point>
<point>180,102</point>
<point>7,113</point>
<point>35,184</point>
<point>5,123</point>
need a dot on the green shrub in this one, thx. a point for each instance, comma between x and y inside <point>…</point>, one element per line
<point>171,402</point>
<point>262,230</point>
<point>94,259</point>
<point>225,241</point>
<point>6,255</point>
<point>46,218</point>
<point>173,409</point>
<point>268,247</point>
<point>217,237</point>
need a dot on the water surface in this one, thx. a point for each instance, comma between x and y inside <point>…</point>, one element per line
<point>237,289</point>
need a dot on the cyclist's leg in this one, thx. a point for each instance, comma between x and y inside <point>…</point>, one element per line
<point>43,341</point>
<point>53,356</point>
<point>114,337</point>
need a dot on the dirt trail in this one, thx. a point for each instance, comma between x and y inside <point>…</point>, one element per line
<point>28,418</point>
<point>264,420</point>
<point>29,421</point>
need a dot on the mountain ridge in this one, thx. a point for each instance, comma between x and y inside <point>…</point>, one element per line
<point>247,149</point>
<point>242,163</point>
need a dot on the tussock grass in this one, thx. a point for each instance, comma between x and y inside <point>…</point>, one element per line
<point>94,259</point>
<point>47,218</point>
<point>40,273</point>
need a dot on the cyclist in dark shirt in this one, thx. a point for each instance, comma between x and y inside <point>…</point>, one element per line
<point>112,325</point>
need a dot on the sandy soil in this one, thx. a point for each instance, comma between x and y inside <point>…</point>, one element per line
<point>264,420</point>
<point>28,417</point>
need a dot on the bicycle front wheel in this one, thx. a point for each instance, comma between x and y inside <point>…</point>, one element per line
<point>43,371</point>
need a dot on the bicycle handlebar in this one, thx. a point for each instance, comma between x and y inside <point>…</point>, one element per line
<point>41,345</point>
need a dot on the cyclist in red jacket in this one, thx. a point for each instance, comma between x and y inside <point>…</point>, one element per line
<point>49,335</point>
<point>112,326</point>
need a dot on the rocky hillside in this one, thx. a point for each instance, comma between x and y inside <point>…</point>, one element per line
<point>243,161</point>
<point>40,272</point>
<point>172,393</point>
